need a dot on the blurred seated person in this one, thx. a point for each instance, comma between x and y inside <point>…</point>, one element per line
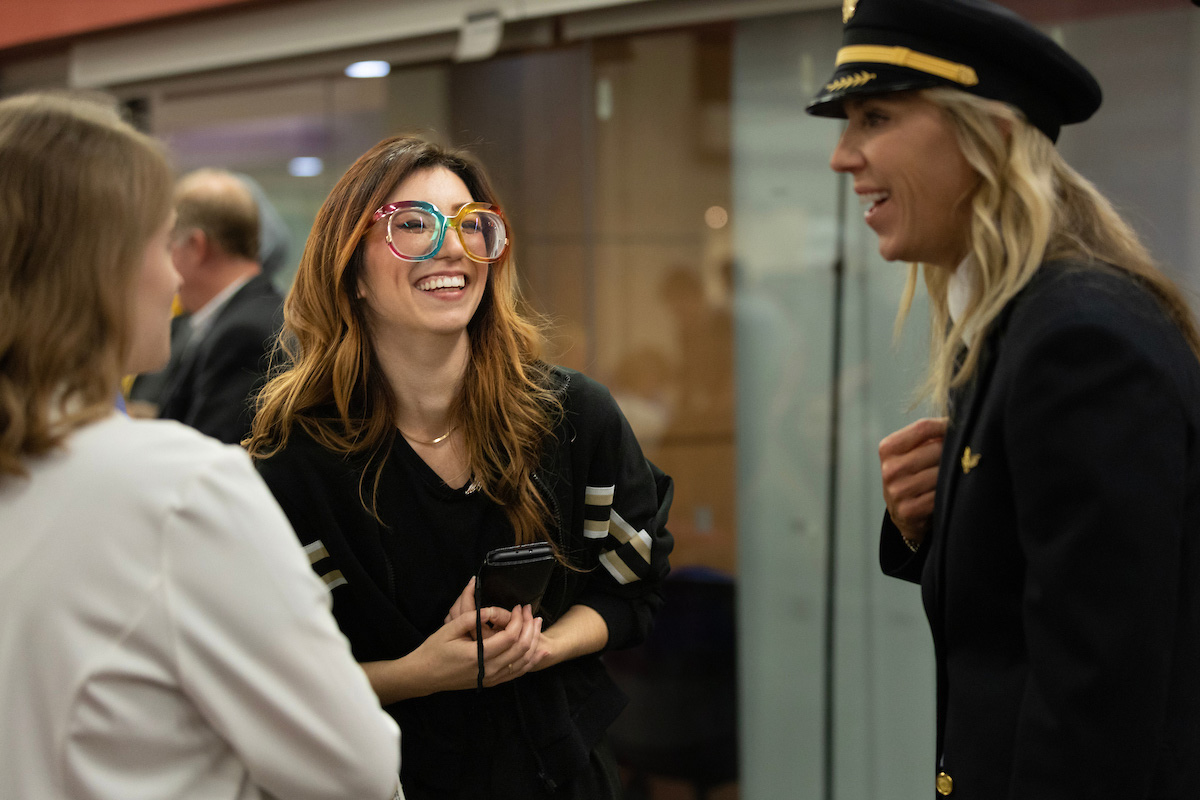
<point>235,310</point>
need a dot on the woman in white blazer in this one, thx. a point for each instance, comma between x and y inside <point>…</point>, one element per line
<point>161,634</point>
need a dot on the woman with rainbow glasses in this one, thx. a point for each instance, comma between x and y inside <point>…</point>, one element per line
<point>415,429</point>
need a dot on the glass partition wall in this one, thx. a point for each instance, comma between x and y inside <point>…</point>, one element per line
<point>837,662</point>
<point>678,226</point>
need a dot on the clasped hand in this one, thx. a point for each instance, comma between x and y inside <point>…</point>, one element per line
<point>512,644</point>
<point>908,463</point>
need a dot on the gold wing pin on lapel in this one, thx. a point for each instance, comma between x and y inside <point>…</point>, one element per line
<point>969,461</point>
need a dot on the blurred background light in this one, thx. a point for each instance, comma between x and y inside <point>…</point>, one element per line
<point>368,69</point>
<point>305,166</point>
<point>716,217</point>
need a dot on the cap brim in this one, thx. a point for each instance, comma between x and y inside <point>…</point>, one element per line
<point>829,102</point>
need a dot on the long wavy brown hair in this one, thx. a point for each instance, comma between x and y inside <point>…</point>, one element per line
<point>81,196</point>
<point>332,386</point>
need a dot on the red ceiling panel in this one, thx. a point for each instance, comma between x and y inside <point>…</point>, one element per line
<point>27,22</point>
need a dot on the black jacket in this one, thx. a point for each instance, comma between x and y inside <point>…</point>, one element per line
<point>550,719</point>
<point>217,378</point>
<point>1061,577</point>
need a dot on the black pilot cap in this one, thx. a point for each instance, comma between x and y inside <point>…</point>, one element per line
<point>972,45</point>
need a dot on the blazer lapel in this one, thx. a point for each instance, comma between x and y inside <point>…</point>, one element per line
<point>177,389</point>
<point>180,389</point>
<point>965,404</point>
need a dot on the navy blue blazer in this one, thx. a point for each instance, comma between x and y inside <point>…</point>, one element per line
<point>1061,576</point>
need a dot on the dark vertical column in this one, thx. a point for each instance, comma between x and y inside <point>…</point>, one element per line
<point>831,549</point>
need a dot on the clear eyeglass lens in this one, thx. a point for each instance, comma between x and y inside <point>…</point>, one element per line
<point>483,234</point>
<point>414,232</point>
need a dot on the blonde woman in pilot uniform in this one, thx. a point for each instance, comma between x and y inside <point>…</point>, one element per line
<point>1053,516</point>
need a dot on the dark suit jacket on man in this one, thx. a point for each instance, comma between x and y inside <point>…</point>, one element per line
<point>1061,577</point>
<point>217,377</point>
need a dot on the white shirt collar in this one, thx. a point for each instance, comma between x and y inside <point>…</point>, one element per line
<point>202,319</point>
<point>964,283</point>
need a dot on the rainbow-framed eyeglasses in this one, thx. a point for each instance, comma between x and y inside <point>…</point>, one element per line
<point>416,230</point>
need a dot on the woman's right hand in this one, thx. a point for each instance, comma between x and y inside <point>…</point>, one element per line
<point>509,647</point>
<point>908,463</point>
<point>447,660</point>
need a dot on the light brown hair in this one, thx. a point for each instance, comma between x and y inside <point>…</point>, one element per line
<point>81,196</point>
<point>333,387</point>
<point>1030,207</point>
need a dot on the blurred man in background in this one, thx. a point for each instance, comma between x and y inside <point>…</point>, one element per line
<point>234,309</point>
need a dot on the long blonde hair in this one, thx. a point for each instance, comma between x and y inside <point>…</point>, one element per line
<point>1030,207</point>
<point>332,386</point>
<point>81,196</point>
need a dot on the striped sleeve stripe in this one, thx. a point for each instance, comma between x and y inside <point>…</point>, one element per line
<point>333,579</point>
<point>627,535</point>
<point>595,528</point>
<point>617,568</point>
<point>599,495</point>
<point>597,513</point>
<point>316,551</point>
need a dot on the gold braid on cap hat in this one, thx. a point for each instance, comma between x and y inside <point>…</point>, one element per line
<point>911,59</point>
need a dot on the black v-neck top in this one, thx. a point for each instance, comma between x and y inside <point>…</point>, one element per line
<point>436,538</point>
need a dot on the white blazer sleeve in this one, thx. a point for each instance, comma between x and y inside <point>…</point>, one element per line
<point>257,650</point>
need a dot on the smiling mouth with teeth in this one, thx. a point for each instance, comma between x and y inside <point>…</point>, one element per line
<point>442,282</point>
<point>871,201</point>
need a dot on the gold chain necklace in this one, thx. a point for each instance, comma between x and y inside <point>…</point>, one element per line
<point>438,440</point>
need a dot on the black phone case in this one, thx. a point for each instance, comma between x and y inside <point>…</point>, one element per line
<point>512,576</point>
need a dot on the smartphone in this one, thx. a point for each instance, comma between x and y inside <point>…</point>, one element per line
<point>513,576</point>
